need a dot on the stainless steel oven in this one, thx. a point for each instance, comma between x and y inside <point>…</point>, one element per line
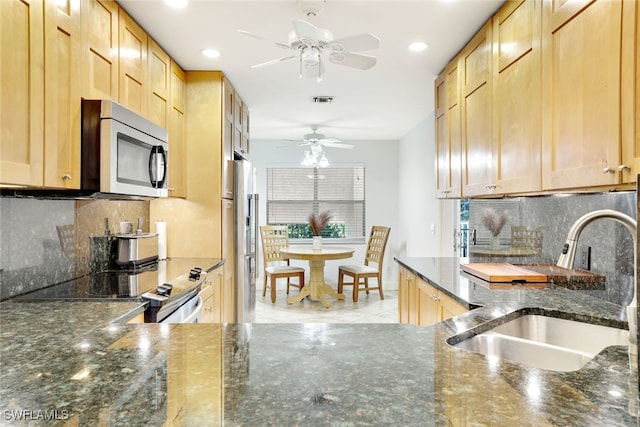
<point>122,152</point>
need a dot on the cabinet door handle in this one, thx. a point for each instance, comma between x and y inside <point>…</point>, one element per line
<point>624,168</point>
<point>66,176</point>
<point>608,170</point>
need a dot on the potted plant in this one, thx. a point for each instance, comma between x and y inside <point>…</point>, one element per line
<point>317,223</point>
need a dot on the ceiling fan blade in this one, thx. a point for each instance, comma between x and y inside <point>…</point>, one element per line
<point>336,144</point>
<point>307,32</point>
<point>255,36</point>
<point>355,43</point>
<point>354,60</point>
<point>273,61</point>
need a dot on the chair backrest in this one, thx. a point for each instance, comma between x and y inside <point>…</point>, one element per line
<point>377,245</point>
<point>274,237</point>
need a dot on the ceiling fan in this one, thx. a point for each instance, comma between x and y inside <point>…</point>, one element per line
<point>316,139</point>
<point>311,45</point>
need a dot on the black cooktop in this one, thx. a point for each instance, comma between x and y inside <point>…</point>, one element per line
<point>110,285</point>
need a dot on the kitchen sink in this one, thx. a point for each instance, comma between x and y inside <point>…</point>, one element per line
<point>543,341</point>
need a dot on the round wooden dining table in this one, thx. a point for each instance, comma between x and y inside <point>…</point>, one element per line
<point>317,288</point>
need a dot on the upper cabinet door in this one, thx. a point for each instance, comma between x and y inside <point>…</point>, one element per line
<point>21,80</point>
<point>582,94</point>
<point>228,131</point>
<point>159,84</point>
<point>99,26</point>
<point>477,177</point>
<point>245,129</point>
<point>516,97</point>
<point>448,132</point>
<point>133,65</point>
<point>176,128</point>
<point>630,98</point>
<point>63,88</point>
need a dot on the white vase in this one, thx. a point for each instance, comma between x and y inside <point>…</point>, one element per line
<point>495,243</point>
<point>317,243</point>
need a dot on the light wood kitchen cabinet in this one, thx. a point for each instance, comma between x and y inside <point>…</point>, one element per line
<point>132,63</point>
<point>636,137</point>
<point>99,26</point>
<point>501,104</point>
<point>63,88</point>
<point>246,115</point>
<point>475,63</point>
<point>22,82</point>
<point>631,99</point>
<point>516,144</point>
<point>448,136</point>
<point>203,212</point>
<point>228,130</point>
<point>211,294</point>
<point>237,126</point>
<point>406,280</point>
<point>428,304</point>
<point>159,73</point>
<point>420,303</point>
<point>241,126</point>
<point>176,128</point>
<point>434,305</point>
<point>588,56</point>
<point>235,134</point>
<point>549,100</point>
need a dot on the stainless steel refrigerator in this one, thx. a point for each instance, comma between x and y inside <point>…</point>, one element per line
<point>245,203</point>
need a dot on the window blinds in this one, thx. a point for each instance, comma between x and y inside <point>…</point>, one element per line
<point>294,193</point>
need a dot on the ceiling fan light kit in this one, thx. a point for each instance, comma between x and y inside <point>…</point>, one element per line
<point>315,158</point>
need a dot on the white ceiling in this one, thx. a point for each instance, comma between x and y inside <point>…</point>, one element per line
<point>382,103</point>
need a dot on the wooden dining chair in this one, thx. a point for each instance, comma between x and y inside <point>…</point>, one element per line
<point>275,237</point>
<point>362,273</point>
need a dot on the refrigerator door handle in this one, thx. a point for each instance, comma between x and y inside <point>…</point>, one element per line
<point>253,212</point>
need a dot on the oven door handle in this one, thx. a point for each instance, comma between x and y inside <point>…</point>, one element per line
<point>157,166</point>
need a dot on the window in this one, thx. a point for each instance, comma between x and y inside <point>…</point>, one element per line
<point>294,193</point>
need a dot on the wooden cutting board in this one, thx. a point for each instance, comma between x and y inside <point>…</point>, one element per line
<point>503,272</point>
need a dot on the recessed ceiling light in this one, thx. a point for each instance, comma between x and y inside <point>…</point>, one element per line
<point>418,46</point>
<point>176,4</point>
<point>210,53</point>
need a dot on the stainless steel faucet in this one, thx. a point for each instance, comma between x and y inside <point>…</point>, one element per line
<point>568,255</point>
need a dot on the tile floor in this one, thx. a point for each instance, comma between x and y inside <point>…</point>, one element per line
<point>368,309</point>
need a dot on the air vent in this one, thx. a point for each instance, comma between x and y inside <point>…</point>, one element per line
<point>322,99</point>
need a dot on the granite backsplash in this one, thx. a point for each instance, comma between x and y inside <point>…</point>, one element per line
<point>47,241</point>
<point>34,251</point>
<point>611,245</point>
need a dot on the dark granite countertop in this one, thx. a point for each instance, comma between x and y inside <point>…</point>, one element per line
<point>75,363</point>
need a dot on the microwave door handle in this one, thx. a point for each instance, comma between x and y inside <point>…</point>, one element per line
<point>157,166</point>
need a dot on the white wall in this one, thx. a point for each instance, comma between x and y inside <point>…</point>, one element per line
<point>380,159</point>
<point>419,210</point>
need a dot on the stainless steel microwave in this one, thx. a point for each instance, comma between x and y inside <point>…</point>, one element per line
<point>122,152</point>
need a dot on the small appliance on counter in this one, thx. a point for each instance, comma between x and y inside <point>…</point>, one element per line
<point>132,250</point>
